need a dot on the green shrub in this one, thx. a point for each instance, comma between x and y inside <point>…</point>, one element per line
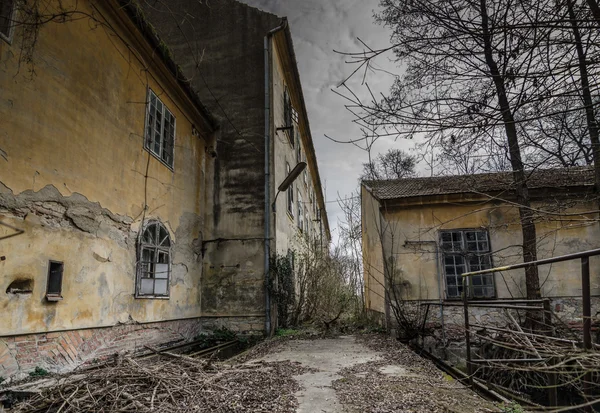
<point>284,332</point>
<point>39,372</point>
<point>511,408</point>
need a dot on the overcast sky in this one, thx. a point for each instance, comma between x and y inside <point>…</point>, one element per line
<point>318,28</point>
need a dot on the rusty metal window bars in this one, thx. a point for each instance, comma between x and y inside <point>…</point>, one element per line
<point>160,130</point>
<point>465,251</point>
<point>154,265</point>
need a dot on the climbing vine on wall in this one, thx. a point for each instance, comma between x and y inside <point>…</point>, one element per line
<point>282,287</point>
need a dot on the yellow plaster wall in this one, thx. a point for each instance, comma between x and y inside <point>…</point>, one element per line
<point>287,234</point>
<point>372,252</point>
<point>74,130</point>
<point>411,235</point>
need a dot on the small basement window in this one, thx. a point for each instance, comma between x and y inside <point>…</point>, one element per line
<point>55,276</point>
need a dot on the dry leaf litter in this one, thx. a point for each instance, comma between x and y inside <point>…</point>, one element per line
<point>416,387</point>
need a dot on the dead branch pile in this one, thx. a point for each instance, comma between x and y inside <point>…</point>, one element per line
<point>524,361</point>
<point>172,385</point>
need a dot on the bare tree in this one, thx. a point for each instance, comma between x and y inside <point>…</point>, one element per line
<point>468,70</point>
<point>393,164</point>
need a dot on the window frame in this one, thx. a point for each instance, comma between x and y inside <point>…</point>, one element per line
<point>290,194</point>
<point>8,38</point>
<point>55,296</point>
<point>460,249</point>
<point>149,141</point>
<point>298,148</point>
<point>300,212</point>
<point>157,249</point>
<point>288,116</point>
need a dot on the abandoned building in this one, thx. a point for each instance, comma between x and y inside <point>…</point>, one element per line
<point>129,214</point>
<point>421,234</point>
<point>241,61</point>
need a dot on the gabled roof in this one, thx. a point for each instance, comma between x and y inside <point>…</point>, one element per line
<point>479,183</point>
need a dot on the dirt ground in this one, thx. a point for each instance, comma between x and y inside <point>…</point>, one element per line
<point>366,374</point>
<point>372,374</point>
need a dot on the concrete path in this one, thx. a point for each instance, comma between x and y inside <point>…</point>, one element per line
<point>327,357</point>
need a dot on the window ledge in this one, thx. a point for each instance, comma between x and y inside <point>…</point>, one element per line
<point>152,297</point>
<point>54,298</point>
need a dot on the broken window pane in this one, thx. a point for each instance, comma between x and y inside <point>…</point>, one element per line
<point>154,265</point>
<point>467,251</point>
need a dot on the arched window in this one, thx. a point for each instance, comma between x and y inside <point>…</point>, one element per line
<point>154,262</point>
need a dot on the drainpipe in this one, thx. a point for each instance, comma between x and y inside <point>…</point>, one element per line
<point>267,53</point>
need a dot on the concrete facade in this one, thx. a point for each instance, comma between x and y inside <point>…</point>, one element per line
<point>241,61</point>
<point>404,230</point>
<point>78,181</point>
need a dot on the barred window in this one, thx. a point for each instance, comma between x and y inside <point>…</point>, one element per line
<point>466,251</point>
<point>154,265</point>
<point>160,129</point>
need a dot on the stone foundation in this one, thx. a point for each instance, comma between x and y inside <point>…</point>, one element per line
<point>63,351</point>
<point>447,340</point>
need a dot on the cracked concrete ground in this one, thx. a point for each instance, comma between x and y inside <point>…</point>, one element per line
<point>350,362</point>
<point>327,357</point>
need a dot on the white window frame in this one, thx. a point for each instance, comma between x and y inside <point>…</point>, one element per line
<point>151,131</point>
<point>9,36</point>
<point>154,243</point>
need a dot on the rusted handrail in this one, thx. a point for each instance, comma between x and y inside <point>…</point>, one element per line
<point>586,307</point>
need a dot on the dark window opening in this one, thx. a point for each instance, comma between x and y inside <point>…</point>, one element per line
<point>160,130</point>
<point>290,193</point>
<point>6,12</point>
<point>55,277</point>
<point>466,251</point>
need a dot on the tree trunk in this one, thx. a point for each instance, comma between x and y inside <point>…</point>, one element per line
<point>586,94</point>
<point>595,10</point>
<point>532,281</point>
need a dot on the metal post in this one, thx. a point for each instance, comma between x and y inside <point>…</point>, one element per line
<point>467,335</point>
<point>553,386</point>
<point>552,376</point>
<point>587,324</point>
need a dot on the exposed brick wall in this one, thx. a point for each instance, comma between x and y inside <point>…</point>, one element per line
<point>65,350</point>
<point>450,343</point>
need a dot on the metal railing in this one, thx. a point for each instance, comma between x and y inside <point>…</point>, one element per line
<point>530,306</point>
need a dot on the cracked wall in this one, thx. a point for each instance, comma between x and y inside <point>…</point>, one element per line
<point>412,232</point>
<point>74,175</point>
